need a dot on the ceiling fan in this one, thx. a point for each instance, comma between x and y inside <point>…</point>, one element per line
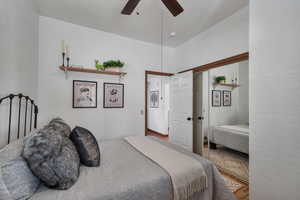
<point>173,6</point>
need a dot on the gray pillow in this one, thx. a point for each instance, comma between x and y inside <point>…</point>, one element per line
<point>16,180</point>
<point>87,146</point>
<point>53,158</point>
<point>58,126</point>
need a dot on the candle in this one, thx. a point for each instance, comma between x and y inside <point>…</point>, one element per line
<point>63,46</point>
<point>68,51</point>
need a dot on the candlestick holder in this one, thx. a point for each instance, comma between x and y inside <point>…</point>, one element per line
<point>66,68</point>
<point>63,57</point>
<point>68,61</point>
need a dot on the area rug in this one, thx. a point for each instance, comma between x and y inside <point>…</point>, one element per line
<point>231,162</point>
<point>240,190</point>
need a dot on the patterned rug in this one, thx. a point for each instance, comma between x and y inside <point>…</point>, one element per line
<point>241,190</point>
<point>231,162</point>
<point>234,185</point>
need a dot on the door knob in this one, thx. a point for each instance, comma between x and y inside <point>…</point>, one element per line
<point>200,118</point>
<point>189,118</point>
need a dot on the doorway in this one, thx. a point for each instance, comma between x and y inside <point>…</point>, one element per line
<point>228,140</point>
<point>157,101</point>
<point>169,109</point>
<point>225,108</point>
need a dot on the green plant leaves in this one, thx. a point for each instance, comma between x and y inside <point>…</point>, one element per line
<point>113,63</point>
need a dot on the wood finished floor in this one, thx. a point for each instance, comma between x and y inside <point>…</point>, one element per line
<point>150,133</point>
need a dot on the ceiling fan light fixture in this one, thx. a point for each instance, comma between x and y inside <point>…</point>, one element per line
<point>173,6</point>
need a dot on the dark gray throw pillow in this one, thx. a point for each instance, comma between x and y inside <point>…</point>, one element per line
<point>53,158</point>
<point>87,146</point>
<point>58,125</point>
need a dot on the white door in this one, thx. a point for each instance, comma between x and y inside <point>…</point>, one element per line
<point>198,113</point>
<point>181,110</point>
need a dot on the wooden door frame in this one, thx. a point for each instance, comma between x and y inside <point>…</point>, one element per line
<point>146,93</point>
<point>219,63</point>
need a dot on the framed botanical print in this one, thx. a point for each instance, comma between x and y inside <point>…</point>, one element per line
<point>216,98</point>
<point>113,96</point>
<point>84,94</point>
<point>226,98</point>
<point>154,99</point>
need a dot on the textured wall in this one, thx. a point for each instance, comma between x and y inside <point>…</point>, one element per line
<point>18,54</point>
<point>55,92</point>
<point>274,99</point>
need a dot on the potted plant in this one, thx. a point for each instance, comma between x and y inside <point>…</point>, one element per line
<point>98,65</point>
<point>220,79</point>
<point>113,65</point>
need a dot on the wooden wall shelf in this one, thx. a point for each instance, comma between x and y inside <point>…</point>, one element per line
<point>233,85</point>
<point>86,70</point>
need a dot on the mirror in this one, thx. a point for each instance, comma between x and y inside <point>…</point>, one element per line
<point>225,128</point>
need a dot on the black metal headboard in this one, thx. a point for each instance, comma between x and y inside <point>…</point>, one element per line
<point>33,113</point>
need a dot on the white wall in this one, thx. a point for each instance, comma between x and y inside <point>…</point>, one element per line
<point>274,99</point>
<point>55,92</point>
<point>158,118</point>
<point>225,39</point>
<point>18,53</point>
<point>225,114</point>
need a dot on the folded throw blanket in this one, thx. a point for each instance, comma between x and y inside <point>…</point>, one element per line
<point>187,174</point>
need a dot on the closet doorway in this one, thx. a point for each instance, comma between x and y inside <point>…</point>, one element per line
<point>157,102</point>
<point>221,97</point>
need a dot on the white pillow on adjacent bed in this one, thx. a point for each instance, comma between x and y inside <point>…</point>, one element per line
<point>14,149</point>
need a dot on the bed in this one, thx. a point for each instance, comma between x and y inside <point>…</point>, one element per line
<point>127,174</point>
<point>235,137</point>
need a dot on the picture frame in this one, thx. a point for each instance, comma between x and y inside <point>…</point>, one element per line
<point>85,94</point>
<point>113,95</point>
<point>227,98</point>
<point>216,98</point>
<point>154,99</point>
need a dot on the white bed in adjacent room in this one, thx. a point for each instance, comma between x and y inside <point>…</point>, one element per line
<point>235,137</point>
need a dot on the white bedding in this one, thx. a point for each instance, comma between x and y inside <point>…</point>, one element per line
<point>242,129</point>
<point>232,136</point>
<point>126,174</point>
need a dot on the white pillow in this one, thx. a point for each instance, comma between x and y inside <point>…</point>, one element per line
<point>14,149</point>
<point>17,181</point>
<point>4,194</point>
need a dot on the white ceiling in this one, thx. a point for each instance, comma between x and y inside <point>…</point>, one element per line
<point>106,15</point>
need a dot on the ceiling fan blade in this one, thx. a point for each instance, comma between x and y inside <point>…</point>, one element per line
<point>173,6</point>
<point>130,6</point>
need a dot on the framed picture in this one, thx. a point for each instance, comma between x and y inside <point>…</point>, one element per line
<point>154,99</point>
<point>226,98</point>
<point>84,94</point>
<point>113,96</point>
<point>216,98</point>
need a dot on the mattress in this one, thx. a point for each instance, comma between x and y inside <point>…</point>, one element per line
<point>235,137</point>
<point>126,174</point>
<point>239,129</point>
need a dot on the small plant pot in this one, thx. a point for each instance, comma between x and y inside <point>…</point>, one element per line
<point>113,69</point>
<point>222,81</point>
